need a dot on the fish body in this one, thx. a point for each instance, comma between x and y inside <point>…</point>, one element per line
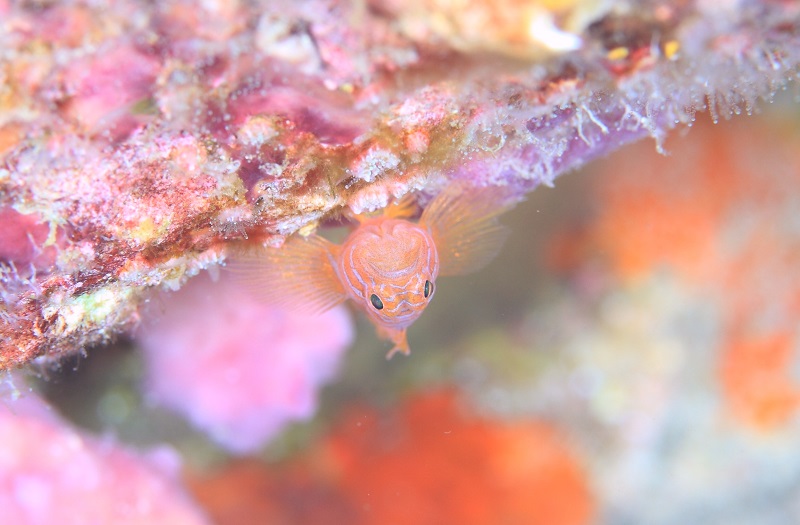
<point>388,265</point>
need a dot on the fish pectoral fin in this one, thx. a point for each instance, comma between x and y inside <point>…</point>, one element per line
<point>398,337</point>
<point>463,223</point>
<point>299,276</point>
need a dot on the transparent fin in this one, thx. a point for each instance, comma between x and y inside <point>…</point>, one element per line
<point>463,223</point>
<point>299,276</point>
<point>398,337</point>
<point>404,208</point>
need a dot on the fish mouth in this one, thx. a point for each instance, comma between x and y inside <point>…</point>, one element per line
<point>404,309</point>
<point>399,317</point>
<point>405,315</point>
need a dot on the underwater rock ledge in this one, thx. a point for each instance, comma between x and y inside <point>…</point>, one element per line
<point>136,140</point>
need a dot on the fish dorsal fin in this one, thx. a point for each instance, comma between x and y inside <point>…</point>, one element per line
<point>402,208</point>
<point>463,222</point>
<point>300,275</point>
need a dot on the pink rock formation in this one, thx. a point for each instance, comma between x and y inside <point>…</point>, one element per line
<point>53,473</point>
<point>236,368</point>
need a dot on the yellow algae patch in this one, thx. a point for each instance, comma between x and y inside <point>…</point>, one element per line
<point>89,309</point>
<point>671,49</point>
<point>148,230</point>
<point>618,53</point>
<point>526,29</point>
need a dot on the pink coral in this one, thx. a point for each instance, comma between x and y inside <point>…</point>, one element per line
<point>102,89</point>
<point>22,237</point>
<point>237,368</point>
<point>51,473</point>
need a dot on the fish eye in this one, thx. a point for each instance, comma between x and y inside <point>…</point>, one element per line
<point>376,302</point>
<point>428,289</point>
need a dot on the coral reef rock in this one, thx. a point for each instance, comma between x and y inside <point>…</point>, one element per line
<point>137,139</point>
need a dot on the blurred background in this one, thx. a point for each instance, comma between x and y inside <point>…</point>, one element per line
<point>629,358</point>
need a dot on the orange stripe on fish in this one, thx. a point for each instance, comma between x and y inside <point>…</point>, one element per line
<point>388,265</point>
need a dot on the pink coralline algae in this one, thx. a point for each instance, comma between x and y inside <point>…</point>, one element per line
<point>143,137</point>
<point>52,473</point>
<point>236,368</point>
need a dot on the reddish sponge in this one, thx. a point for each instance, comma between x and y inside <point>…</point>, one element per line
<point>428,462</point>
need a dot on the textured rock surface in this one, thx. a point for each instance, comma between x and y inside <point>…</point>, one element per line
<point>137,139</point>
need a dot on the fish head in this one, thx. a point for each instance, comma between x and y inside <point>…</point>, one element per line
<point>389,268</point>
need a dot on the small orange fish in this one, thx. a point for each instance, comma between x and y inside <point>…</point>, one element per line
<point>388,265</point>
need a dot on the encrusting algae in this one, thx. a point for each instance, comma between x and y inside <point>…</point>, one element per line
<point>143,138</point>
